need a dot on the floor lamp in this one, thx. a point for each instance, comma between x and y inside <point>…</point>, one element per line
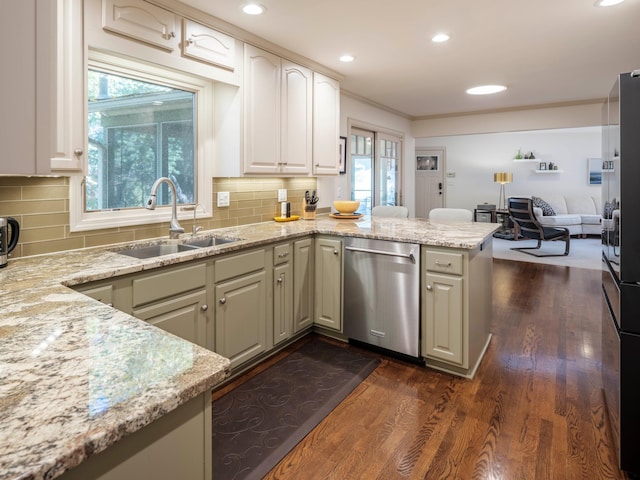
<point>502,178</point>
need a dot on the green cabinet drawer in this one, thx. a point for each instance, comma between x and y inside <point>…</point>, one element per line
<point>168,283</point>
<point>238,264</point>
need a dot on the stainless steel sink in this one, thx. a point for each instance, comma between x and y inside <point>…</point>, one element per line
<point>169,248</point>
<point>210,241</point>
<point>157,250</point>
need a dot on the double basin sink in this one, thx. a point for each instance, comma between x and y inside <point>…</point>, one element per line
<point>160,249</point>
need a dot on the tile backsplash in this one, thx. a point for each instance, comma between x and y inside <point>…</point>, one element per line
<point>41,205</point>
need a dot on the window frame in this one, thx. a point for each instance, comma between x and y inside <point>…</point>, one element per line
<point>81,220</point>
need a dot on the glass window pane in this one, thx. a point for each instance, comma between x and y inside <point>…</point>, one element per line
<point>138,131</point>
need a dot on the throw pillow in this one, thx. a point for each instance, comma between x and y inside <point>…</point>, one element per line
<point>540,203</point>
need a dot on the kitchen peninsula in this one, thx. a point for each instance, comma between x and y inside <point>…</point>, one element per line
<point>78,377</point>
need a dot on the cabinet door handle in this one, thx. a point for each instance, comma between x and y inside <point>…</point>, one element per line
<point>280,279</point>
<point>429,287</point>
<point>78,152</point>
<point>223,300</point>
<point>438,262</point>
<point>335,252</point>
<point>204,307</point>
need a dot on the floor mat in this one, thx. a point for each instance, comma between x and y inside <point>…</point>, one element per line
<point>258,423</point>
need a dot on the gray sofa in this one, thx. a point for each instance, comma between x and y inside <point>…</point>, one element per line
<point>581,214</point>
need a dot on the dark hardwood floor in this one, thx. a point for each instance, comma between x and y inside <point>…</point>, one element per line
<point>533,411</point>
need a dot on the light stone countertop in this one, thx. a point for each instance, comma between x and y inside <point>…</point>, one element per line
<point>77,376</point>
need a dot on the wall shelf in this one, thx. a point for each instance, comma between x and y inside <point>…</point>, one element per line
<point>526,160</point>
<point>608,170</point>
<point>548,171</point>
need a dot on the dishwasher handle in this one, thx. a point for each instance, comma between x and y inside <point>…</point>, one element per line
<point>382,252</point>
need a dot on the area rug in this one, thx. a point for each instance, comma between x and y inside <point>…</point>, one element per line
<point>583,252</point>
<point>258,423</point>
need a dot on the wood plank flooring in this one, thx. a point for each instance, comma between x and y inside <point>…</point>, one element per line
<point>533,411</point>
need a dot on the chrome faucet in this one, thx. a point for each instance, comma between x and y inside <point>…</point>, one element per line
<point>174,227</point>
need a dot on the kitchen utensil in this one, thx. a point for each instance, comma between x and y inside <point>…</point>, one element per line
<point>8,243</point>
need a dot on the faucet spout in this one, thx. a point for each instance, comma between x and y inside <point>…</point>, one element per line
<point>174,226</point>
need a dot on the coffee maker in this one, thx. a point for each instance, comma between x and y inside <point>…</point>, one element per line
<point>8,243</point>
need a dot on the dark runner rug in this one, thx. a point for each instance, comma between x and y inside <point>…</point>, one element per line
<point>258,423</point>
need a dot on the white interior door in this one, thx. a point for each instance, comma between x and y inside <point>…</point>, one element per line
<point>430,185</point>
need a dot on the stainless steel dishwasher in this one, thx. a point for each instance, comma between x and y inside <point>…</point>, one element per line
<point>382,294</point>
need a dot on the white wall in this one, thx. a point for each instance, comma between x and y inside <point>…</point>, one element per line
<point>474,159</point>
<point>331,188</point>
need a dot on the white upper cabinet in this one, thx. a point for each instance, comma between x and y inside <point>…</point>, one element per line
<point>68,138</point>
<point>278,103</point>
<point>326,125</point>
<point>261,111</point>
<point>208,45</point>
<point>142,21</point>
<point>43,88</point>
<point>296,119</point>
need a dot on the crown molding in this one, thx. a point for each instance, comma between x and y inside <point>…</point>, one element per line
<point>380,106</point>
<point>238,33</point>
<point>540,106</point>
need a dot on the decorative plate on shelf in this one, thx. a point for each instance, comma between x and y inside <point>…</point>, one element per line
<point>287,219</point>
<point>345,215</point>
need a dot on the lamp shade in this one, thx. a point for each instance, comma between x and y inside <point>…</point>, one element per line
<point>503,177</point>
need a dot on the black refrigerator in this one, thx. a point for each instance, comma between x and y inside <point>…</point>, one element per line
<point>621,266</point>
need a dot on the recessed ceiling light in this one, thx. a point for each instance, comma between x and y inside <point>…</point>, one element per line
<point>608,3</point>
<point>486,89</point>
<point>347,58</point>
<point>254,9</point>
<point>440,37</point>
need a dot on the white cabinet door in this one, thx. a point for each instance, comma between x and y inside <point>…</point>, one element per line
<point>208,45</point>
<point>67,144</point>
<point>444,335</point>
<point>18,90</point>
<point>142,21</point>
<point>296,115</point>
<point>261,111</point>
<point>326,125</point>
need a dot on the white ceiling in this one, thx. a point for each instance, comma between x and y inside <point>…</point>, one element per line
<point>544,51</point>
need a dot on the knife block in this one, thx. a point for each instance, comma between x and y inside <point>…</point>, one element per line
<point>308,215</point>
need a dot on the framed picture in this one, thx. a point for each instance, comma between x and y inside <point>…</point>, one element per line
<point>342,152</point>
<point>543,166</point>
<point>594,171</point>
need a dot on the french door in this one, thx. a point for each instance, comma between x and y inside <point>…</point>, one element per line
<point>376,169</point>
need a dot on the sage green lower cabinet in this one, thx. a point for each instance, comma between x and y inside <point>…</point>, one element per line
<point>456,307</point>
<point>303,284</point>
<point>185,316</point>
<point>282,293</point>
<point>175,299</point>
<point>240,294</point>
<point>113,292</point>
<point>328,283</point>
<point>176,446</point>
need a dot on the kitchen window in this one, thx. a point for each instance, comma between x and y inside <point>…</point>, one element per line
<point>144,122</point>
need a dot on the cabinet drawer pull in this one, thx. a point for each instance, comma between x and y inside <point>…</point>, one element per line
<point>429,287</point>
<point>223,300</point>
<point>282,255</point>
<point>447,264</point>
<point>204,307</point>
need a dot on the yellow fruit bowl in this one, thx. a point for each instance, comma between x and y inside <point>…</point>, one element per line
<point>346,206</point>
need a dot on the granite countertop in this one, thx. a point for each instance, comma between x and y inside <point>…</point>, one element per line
<point>77,376</point>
